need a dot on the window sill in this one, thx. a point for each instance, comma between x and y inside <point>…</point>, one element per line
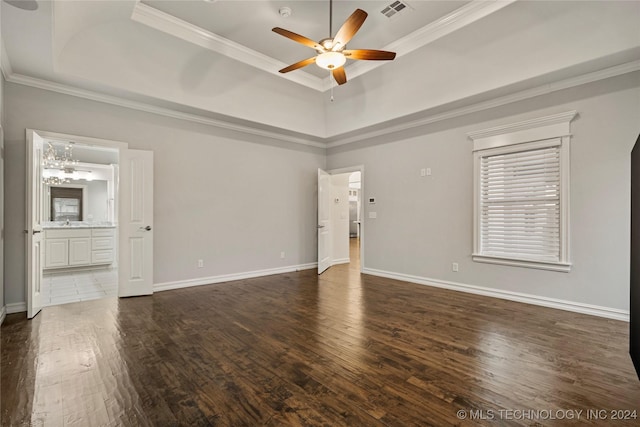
<point>542,265</point>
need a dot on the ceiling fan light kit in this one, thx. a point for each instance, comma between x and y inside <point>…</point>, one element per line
<point>331,51</point>
<point>330,60</point>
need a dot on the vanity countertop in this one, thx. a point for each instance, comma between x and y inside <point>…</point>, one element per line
<point>77,224</point>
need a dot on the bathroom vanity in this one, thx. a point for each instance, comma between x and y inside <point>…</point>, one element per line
<point>78,244</point>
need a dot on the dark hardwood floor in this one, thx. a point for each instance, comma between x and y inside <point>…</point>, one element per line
<point>301,350</point>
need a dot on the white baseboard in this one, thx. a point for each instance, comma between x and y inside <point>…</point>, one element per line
<point>16,307</point>
<point>166,286</point>
<point>341,261</point>
<point>3,314</point>
<point>577,307</point>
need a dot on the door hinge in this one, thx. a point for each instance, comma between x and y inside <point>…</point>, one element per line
<point>2,153</point>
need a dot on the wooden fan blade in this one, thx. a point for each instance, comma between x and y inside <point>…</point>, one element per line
<point>297,38</point>
<point>369,54</point>
<point>297,65</point>
<point>349,29</point>
<point>339,75</point>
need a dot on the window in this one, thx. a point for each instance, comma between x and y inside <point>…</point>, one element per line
<point>521,180</point>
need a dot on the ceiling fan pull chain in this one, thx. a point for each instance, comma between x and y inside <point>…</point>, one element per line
<point>332,80</point>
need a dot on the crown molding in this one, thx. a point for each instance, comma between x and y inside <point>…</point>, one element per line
<point>606,73</point>
<point>459,18</point>
<point>169,24</point>
<point>148,108</point>
<point>5,63</point>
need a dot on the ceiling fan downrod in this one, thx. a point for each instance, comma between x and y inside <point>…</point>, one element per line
<point>330,18</point>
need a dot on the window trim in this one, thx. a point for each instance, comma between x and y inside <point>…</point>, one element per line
<point>512,138</point>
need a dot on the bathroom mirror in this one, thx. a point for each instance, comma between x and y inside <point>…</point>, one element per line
<point>87,195</point>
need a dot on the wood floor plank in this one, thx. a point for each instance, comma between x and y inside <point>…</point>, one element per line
<point>297,349</point>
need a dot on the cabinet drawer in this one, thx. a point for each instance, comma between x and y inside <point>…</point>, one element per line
<point>103,232</point>
<point>67,233</point>
<point>98,243</point>
<point>102,257</point>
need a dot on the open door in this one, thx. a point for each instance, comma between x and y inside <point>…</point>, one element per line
<point>136,223</point>
<point>634,312</point>
<point>33,232</point>
<point>324,221</point>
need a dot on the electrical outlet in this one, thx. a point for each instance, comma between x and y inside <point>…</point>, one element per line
<point>455,267</point>
<point>282,255</point>
<point>200,263</point>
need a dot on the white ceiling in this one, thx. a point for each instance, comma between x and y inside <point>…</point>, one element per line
<point>249,23</point>
<point>217,62</point>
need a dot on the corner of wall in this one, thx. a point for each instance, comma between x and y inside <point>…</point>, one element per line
<point>16,307</point>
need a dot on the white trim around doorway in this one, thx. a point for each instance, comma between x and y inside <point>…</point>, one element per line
<point>97,143</point>
<point>348,169</point>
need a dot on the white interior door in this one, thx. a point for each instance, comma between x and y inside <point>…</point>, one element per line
<point>136,223</point>
<point>33,233</point>
<point>324,221</point>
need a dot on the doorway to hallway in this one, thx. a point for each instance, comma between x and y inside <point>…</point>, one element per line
<point>340,227</point>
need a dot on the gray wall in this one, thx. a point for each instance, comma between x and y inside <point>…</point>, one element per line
<point>237,202</point>
<point>233,200</point>
<point>425,224</point>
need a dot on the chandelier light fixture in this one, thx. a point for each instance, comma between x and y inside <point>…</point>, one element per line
<point>58,165</point>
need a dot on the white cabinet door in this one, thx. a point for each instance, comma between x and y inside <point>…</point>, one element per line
<point>80,251</point>
<point>56,253</point>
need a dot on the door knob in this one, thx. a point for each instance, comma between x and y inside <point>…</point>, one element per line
<point>147,228</point>
<point>321,226</point>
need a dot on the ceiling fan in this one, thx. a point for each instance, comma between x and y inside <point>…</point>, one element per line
<point>332,54</point>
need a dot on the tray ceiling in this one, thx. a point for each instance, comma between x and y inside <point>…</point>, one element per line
<point>249,23</point>
<point>217,62</point>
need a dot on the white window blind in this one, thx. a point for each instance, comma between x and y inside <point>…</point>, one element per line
<point>520,204</point>
<point>521,193</point>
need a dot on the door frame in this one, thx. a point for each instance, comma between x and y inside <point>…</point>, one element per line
<point>348,169</point>
<point>120,146</point>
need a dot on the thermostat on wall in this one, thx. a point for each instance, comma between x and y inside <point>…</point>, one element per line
<point>372,200</point>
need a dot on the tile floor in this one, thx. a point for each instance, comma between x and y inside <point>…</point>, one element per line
<point>65,287</point>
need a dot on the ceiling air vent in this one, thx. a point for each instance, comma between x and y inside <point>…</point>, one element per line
<point>393,8</point>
